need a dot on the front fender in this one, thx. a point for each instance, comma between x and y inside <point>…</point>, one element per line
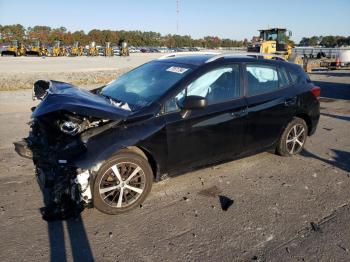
<point>104,145</point>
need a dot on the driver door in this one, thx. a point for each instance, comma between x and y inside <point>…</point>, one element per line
<point>212,132</point>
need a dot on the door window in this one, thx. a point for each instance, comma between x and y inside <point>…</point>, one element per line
<point>261,79</point>
<point>283,78</point>
<point>217,86</point>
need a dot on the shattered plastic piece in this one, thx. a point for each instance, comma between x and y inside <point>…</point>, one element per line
<point>225,202</point>
<point>316,227</point>
<point>344,248</point>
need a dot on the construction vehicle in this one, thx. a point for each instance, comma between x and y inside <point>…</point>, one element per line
<point>58,49</point>
<point>274,41</point>
<point>93,51</point>
<point>37,49</point>
<point>16,48</point>
<point>77,49</point>
<point>124,50</point>
<point>108,51</point>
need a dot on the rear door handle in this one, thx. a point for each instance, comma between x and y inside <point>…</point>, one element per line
<point>290,101</point>
<point>240,113</point>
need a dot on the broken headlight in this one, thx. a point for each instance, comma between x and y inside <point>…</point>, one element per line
<point>70,127</point>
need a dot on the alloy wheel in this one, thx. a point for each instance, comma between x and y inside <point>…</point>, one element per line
<point>122,184</point>
<point>295,139</point>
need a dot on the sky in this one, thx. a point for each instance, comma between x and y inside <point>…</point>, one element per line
<point>223,18</point>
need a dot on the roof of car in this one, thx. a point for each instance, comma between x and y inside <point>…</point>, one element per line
<point>195,60</point>
<point>200,59</point>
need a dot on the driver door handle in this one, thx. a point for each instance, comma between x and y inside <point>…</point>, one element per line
<point>290,101</point>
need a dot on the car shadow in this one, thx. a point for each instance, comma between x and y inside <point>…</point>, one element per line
<point>330,73</point>
<point>341,159</point>
<point>61,219</point>
<point>78,239</point>
<point>334,90</point>
<point>345,118</point>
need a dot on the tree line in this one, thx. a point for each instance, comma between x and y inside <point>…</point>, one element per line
<point>48,35</point>
<point>328,41</point>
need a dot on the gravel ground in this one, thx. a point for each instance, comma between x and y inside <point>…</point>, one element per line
<point>22,72</point>
<point>284,209</point>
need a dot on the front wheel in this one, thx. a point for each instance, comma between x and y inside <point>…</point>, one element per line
<point>122,183</point>
<point>293,138</point>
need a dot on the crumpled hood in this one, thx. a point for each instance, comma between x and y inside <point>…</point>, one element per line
<point>64,96</point>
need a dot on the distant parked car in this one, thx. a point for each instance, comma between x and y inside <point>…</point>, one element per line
<point>105,147</point>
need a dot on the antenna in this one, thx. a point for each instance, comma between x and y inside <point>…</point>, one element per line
<point>177,16</point>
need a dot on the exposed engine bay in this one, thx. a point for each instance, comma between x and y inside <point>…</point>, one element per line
<point>53,144</point>
<point>73,133</point>
<point>55,139</point>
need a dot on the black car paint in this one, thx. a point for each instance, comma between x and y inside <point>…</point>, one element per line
<point>218,131</point>
<point>64,96</point>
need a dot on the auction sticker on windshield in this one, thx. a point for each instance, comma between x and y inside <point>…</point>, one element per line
<point>177,69</point>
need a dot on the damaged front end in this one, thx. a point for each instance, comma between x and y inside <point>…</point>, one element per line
<point>62,125</point>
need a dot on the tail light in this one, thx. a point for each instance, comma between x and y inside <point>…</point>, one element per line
<point>316,91</point>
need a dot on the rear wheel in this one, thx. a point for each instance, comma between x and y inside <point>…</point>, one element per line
<point>122,183</point>
<point>293,138</point>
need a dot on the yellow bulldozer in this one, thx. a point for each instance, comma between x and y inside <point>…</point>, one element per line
<point>124,50</point>
<point>108,51</point>
<point>16,48</point>
<point>37,49</point>
<point>58,49</point>
<point>93,51</point>
<point>77,49</point>
<point>274,41</point>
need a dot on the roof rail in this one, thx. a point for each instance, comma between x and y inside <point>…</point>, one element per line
<point>187,53</point>
<point>248,54</point>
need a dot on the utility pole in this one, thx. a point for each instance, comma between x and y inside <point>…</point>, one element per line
<point>177,16</point>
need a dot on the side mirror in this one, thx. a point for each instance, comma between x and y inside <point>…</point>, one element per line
<point>289,33</point>
<point>194,102</point>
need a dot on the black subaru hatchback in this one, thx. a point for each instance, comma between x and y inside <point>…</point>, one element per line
<point>105,147</point>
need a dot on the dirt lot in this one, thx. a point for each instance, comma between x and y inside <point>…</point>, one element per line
<point>21,72</point>
<point>284,209</point>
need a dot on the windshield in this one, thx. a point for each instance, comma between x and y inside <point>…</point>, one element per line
<point>145,84</point>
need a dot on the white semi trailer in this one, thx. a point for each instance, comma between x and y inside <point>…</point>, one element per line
<point>332,58</point>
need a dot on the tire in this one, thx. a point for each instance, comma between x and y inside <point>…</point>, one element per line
<point>293,138</point>
<point>296,59</point>
<point>117,175</point>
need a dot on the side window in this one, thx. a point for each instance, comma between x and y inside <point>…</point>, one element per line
<point>283,78</point>
<point>217,86</point>
<point>294,77</point>
<point>298,75</point>
<point>261,79</point>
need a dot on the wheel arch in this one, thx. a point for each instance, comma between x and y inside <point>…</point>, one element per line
<point>307,120</point>
<point>148,156</point>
